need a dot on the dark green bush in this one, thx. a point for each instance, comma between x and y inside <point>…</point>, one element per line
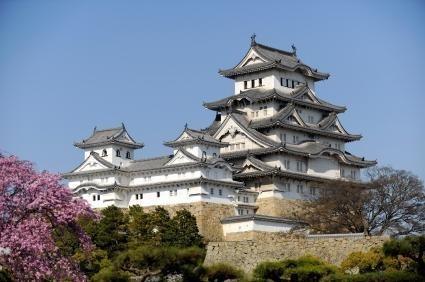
<point>272,270</point>
<point>221,272</point>
<point>396,276</point>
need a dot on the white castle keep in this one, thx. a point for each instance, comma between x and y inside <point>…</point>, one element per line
<point>271,144</point>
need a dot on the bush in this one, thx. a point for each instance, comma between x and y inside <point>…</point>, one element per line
<point>272,270</point>
<point>221,272</point>
<point>396,276</point>
<point>364,262</point>
<point>310,273</point>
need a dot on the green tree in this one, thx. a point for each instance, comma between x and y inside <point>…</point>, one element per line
<point>183,230</point>
<point>412,247</point>
<point>110,233</point>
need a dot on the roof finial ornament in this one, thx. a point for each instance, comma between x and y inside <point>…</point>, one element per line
<point>294,49</point>
<point>253,43</point>
<point>94,130</point>
<point>122,125</point>
<point>185,126</point>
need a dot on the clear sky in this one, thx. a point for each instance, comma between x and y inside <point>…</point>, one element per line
<point>66,66</point>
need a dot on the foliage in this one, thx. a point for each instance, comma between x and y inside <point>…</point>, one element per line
<point>110,232</point>
<point>395,276</point>
<point>272,270</point>
<point>307,269</point>
<point>4,276</point>
<point>146,261</point>
<point>393,201</point>
<point>412,247</point>
<point>36,210</point>
<point>184,231</point>
<point>159,229</point>
<point>370,261</point>
<point>221,272</point>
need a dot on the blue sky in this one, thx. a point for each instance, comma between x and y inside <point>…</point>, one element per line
<point>66,66</point>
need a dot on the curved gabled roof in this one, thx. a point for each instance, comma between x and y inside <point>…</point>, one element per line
<point>118,135</point>
<point>281,119</point>
<point>193,136</point>
<point>259,95</point>
<point>311,149</point>
<point>273,58</point>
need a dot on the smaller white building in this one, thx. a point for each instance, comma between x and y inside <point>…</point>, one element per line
<point>258,223</point>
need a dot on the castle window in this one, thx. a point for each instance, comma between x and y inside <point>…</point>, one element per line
<point>293,84</point>
<point>312,191</point>
<point>296,139</point>
<point>260,82</point>
<point>281,81</point>
<point>158,194</point>
<point>118,153</point>
<point>310,119</point>
<point>137,196</point>
<point>286,164</point>
<point>104,153</point>
<point>245,84</point>
<point>204,155</point>
<point>253,83</point>
<point>265,110</point>
<point>342,172</point>
<point>256,113</point>
<point>299,166</point>
<point>300,189</point>
<point>128,155</point>
<point>98,197</point>
<point>212,191</point>
<point>141,196</point>
<point>220,192</point>
<point>94,197</point>
<point>287,82</point>
<point>214,155</point>
<point>252,114</point>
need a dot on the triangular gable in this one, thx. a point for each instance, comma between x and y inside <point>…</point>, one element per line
<point>231,126</point>
<point>124,137</point>
<point>92,163</point>
<point>295,117</point>
<point>184,136</point>
<point>249,166</point>
<point>251,57</point>
<point>181,157</point>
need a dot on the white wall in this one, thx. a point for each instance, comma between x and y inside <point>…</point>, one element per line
<point>255,225</point>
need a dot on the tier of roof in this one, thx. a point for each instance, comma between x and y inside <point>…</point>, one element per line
<point>110,136</point>
<point>192,136</point>
<point>309,148</point>
<point>259,95</point>
<point>280,119</point>
<point>273,58</point>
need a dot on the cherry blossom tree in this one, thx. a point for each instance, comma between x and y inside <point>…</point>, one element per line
<point>33,206</point>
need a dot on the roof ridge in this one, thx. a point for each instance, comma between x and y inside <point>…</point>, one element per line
<point>277,50</point>
<point>107,129</point>
<point>154,158</point>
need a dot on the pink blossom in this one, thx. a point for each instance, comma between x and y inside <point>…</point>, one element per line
<point>32,204</point>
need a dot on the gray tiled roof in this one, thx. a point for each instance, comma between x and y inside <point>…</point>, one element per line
<point>257,95</point>
<point>280,119</point>
<point>196,136</point>
<point>275,58</point>
<point>307,148</point>
<point>102,137</point>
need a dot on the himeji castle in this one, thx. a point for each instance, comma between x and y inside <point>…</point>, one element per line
<point>272,143</point>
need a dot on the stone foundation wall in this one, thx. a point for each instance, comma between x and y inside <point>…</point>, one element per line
<point>277,246</point>
<point>279,207</point>
<point>208,216</point>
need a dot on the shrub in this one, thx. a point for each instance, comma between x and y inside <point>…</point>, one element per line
<point>272,270</point>
<point>364,261</point>
<point>396,276</point>
<point>307,268</point>
<point>221,272</point>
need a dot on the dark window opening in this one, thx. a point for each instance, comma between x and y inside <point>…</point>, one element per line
<point>94,197</point>
<point>293,84</point>
<point>158,194</point>
<point>287,82</point>
<point>98,197</point>
<point>260,82</point>
<point>137,196</point>
<point>245,84</point>
<point>118,153</point>
<point>128,155</point>
<point>253,83</point>
<point>104,153</point>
